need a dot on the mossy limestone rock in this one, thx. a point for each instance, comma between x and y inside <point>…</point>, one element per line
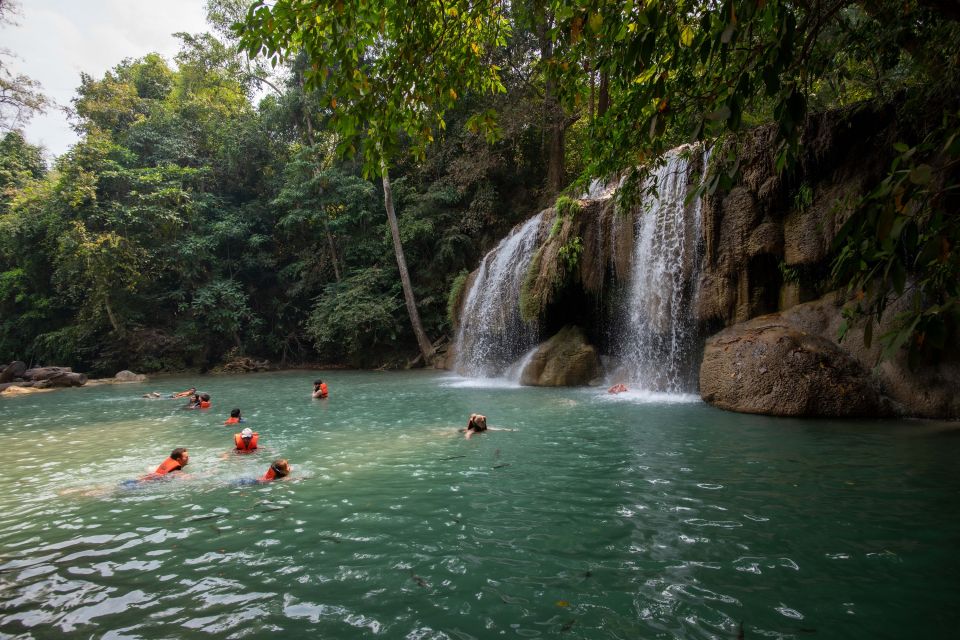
<point>770,367</point>
<point>565,360</point>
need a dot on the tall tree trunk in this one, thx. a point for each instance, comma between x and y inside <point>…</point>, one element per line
<point>333,251</point>
<point>552,112</point>
<point>113,319</point>
<point>603,101</point>
<point>426,349</point>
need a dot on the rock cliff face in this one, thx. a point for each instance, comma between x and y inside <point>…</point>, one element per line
<point>764,248</point>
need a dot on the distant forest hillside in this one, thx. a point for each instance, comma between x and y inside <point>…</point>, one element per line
<point>232,202</point>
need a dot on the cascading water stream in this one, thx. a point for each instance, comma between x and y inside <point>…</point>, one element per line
<point>658,347</point>
<point>492,334</point>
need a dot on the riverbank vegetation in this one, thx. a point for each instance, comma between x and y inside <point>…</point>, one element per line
<point>232,201</point>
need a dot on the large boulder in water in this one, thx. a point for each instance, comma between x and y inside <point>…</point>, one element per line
<point>926,390</point>
<point>129,376</point>
<point>565,360</point>
<point>768,366</point>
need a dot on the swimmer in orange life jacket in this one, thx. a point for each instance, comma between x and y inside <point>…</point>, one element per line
<point>279,469</point>
<point>246,440</point>
<point>234,417</point>
<point>319,389</point>
<point>178,460</point>
<point>204,401</point>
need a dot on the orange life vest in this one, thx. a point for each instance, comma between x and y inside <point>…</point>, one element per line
<point>269,475</point>
<point>244,445</point>
<point>167,466</point>
<point>232,420</point>
<point>204,404</point>
<point>323,389</point>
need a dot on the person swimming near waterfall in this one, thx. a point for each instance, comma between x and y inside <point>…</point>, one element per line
<point>478,424</point>
<point>617,388</point>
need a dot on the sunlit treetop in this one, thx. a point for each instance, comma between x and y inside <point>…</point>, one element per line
<point>387,71</point>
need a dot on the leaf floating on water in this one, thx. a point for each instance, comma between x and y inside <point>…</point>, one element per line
<point>562,603</point>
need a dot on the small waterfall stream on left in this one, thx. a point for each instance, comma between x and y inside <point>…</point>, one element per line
<point>492,334</point>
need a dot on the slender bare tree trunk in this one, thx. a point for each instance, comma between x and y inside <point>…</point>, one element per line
<point>426,349</point>
<point>552,113</point>
<point>113,319</point>
<point>333,251</point>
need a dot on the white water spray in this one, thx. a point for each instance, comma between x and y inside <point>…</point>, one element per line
<point>492,334</point>
<point>658,345</point>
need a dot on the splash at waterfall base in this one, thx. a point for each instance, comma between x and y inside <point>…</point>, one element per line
<point>648,287</point>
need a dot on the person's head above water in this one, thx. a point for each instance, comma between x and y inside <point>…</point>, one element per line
<point>247,433</point>
<point>235,413</point>
<point>280,467</point>
<point>180,455</point>
<point>477,422</point>
<point>205,397</point>
<point>317,382</point>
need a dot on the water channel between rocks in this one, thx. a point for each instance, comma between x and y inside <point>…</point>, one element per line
<point>635,516</point>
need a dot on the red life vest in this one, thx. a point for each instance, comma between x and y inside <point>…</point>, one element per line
<point>245,445</point>
<point>204,404</point>
<point>232,420</point>
<point>167,466</point>
<point>323,389</point>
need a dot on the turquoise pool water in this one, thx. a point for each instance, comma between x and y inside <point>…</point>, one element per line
<point>600,517</point>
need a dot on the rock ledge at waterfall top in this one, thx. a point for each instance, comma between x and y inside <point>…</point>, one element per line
<point>768,366</point>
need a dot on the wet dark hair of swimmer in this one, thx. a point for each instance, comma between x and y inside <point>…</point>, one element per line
<point>205,397</point>
<point>235,413</point>
<point>317,383</point>
<point>177,454</point>
<point>281,467</point>
<point>477,422</point>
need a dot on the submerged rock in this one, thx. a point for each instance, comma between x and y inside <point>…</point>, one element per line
<point>565,360</point>
<point>768,366</point>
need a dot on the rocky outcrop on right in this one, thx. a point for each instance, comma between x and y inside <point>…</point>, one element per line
<point>792,363</point>
<point>768,366</point>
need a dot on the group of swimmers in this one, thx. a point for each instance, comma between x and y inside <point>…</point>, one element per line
<point>244,442</point>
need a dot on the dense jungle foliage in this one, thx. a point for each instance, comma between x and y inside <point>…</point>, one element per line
<point>233,202</point>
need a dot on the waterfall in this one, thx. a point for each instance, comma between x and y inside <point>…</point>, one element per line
<point>492,335</point>
<point>658,345</point>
